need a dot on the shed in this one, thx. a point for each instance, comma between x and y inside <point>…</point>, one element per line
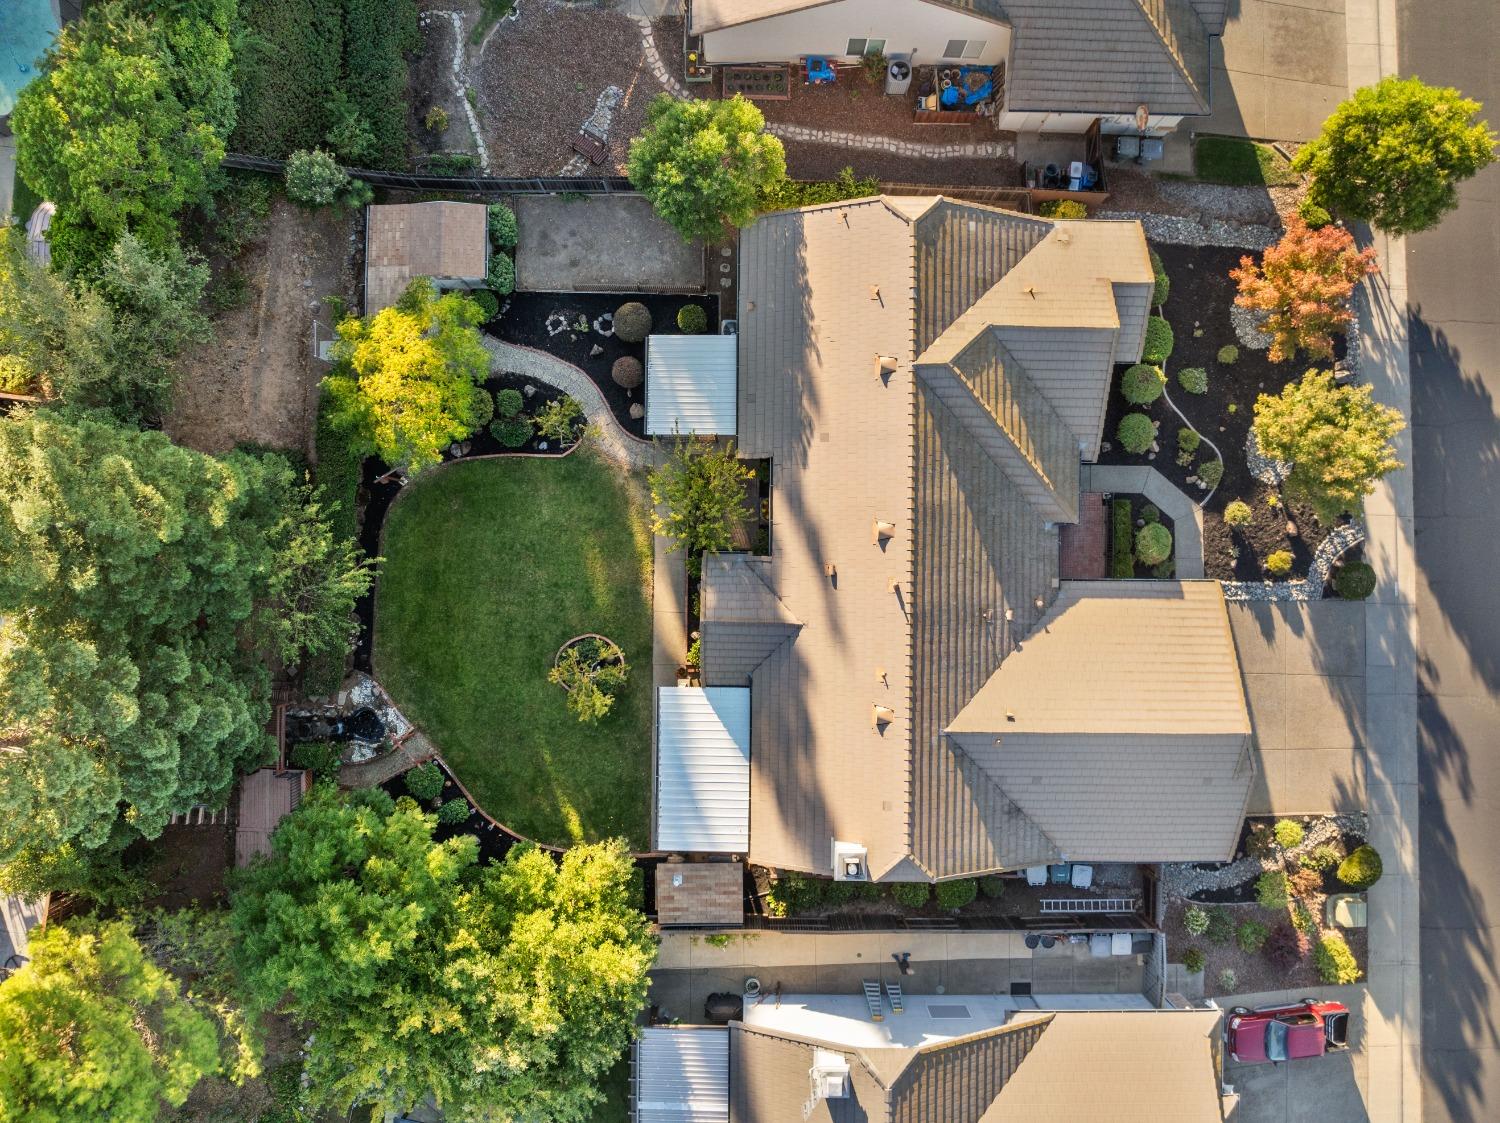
<point>700,894</point>
<point>703,769</point>
<point>691,385</point>
<point>266,797</point>
<point>444,240</point>
<point>682,1075</point>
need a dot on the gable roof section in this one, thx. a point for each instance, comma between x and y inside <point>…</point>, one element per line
<point>1107,56</point>
<point>715,15</point>
<point>741,620</point>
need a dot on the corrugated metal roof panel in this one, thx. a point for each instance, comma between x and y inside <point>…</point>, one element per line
<point>682,1075</point>
<point>703,769</point>
<point>691,385</point>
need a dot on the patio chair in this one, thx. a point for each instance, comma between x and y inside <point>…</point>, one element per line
<point>1036,875</point>
<point>1083,876</point>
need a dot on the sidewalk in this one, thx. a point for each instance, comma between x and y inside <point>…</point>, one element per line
<point>1392,1008</point>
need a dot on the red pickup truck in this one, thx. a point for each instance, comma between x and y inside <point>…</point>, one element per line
<point>1272,1034</point>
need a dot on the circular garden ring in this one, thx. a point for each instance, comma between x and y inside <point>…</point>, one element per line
<point>608,652</point>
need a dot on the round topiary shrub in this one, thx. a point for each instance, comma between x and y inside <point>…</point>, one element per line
<point>488,302</point>
<point>1193,379</point>
<point>1361,869</point>
<point>1237,513</point>
<point>1229,354</point>
<point>1289,834</point>
<point>632,322</point>
<point>512,432</point>
<point>425,781</point>
<point>692,319</point>
<point>1163,284</point>
<point>484,408</point>
<point>1354,581</point>
<point>956,894</point>
<point>1153,544</point>
<point>1151,513</point>
<point>502,274</point>
<point>1195,920</point>
<point>911,894</point>
<point>453,811</point>
<point>627,372</point>
<point>1279,563</point>
<point>1141,384</point>
<point>992,886</point>
<point>1193,961</point>
<point>1159,342</point>
<point>509,401</point>
<point>1211,472</point>
<point>502,225</point>
<point>1135,432</point>
<point>1314,215</point>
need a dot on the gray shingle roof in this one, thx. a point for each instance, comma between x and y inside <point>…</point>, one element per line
<point>743,621</point>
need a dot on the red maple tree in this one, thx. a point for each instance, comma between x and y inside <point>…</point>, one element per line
<point>1303,284</point>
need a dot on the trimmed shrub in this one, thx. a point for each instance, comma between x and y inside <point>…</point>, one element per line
<point>512,432</point>
<point>841,892</point>
<point>627,372</point>
<point>1285,947</point>
<point>502,225</point>
<point>1122,540</point>
<point>1320,858</point>
<point>1163,282</point>
<point>1193,961</point>
<point>956,894</point>
<point>1135,432</point>
<point>509,401</point>
<point>454,811</point>
<point>321,758</point>
<point>436,119</point>
<point>1063,208</point>
<point>911,894</point>
<point>1279,563</point>
<point>1289,834</point>
<point>1315,216</point>
<point>558,421</point>
<point>1153,544</point>
<point>1361,869</point>
<point>1220,925</point>
<point>1229,354</point>
<point>502,274</point>
<point>1237,513</point>
<point>1159,342</point>
<point>1151,513</point>
<point>1195,920</point>
<point>1271,890</point>
<point>1251,936</point>
<point>1188,441</point>
<point>313,178</point>
<point>1211,472</point>
<point>488,303</point>
<point>692,319</point>
<point>1142,384</point>
<point>868,890</point>
<point>1335,962</point>
<point>1193,379</point>
<point>1228,980</point>
<point>793,893</point>
<point>632,322</point>
<point>425,781</point>
<point>992,886</point>
<point>1354,581</point>
<point>1304,882</point>
<point>484,408</point>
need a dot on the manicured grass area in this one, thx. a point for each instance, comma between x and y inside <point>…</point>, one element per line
<point>490,566</point>
<point>1243,163</point>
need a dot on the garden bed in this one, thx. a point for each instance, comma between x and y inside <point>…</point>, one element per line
<point>1254,973</point>
<point>550,321</point>
<point>1142,512</point>
<point>1198,310</point>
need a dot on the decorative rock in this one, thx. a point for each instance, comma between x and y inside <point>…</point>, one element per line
<point>1247,323</point>
<point>1178,231</point>
<point>1273,473</point>
<point>528,390</point>
<point>595,351</point>
<point>637,411</point>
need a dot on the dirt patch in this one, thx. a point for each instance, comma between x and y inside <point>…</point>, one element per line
<point>431,85</point>
<point>825,161</point>
<point>256,381</point>
<point>187,866</point>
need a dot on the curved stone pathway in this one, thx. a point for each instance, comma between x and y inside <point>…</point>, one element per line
<point>609,437</point>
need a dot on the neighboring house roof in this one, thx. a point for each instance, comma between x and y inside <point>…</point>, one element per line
<point>682,1075</point>
<point>446,241</point>
<point>700,893</point>
<point>715,15</point>
<point>1132,1066</point>
<point>703,769</point>
<point>690,385</point>
<point>913,372</point>
<point>1108,56</point>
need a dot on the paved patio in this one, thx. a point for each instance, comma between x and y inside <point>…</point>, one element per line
<point>603,243</point>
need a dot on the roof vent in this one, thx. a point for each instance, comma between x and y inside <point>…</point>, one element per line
<point>874,292</point>
<point>830,1075</point>
<point>881,531</point>
<point>882,716</point>
<point>885,366</point>
<point>1063,236</point>
<point>830,570</point>
<point>850,862</point>
<point>1030,290</point>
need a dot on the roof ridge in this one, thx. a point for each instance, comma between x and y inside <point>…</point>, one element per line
<point>1168,35</point>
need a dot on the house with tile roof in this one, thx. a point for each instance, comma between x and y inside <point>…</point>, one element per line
<point>1063,64</point>
<point>927,698</point>
<point>443,240</point>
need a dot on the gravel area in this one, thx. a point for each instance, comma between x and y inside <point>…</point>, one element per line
<point>1176,230</point>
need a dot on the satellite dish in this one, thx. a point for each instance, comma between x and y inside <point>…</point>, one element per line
<point>1142,117</point>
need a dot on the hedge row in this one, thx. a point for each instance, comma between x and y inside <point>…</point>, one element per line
<point>337,474</point>
<point>1121,540</point>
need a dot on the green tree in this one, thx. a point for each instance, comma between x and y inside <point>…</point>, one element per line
<point>314,178</point>
<point>702,488</point>
<point>705,163</point>
<point>1338,439</point>
<point>120,130</point>
<point>403,382</point>
<point>1392,153</point>
<point>50,336</point>
<point>90,1029</point>
<point>506,990</point>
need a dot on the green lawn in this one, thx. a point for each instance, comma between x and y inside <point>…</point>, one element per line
<point>490,566</point>
<point>1243,163</point>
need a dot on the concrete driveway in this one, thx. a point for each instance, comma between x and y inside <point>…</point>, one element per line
<point>1328,1089</point>
<point>1278,70</point>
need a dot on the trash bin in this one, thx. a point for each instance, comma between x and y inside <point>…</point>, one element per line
<point>897,76</point>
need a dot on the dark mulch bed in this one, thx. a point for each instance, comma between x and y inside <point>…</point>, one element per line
<point>825,161</point>
<point>524,321</point>
<point>1198,310</point>
<point>1253,972</point>
<point>1138,504</point>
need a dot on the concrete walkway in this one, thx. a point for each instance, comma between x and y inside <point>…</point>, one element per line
<point>612,440</point>
<point>1186,516</point>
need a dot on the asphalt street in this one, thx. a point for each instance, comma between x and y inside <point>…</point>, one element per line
<point>1455,365</point>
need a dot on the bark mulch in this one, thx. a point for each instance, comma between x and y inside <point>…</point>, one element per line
<point>1138,505</point>
<point>525,318</point>
<point>1198,308</point>
<point>430,84</point>
<point>1253,972</point>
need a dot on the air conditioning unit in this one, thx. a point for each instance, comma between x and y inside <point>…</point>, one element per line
<point>850,862</point>
<point>830,1075</point>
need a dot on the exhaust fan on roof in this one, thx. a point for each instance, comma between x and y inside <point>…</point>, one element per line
<point>885,366</point>
<point>830,1075</point>
<point>850,862</point>
<point>882,530</point>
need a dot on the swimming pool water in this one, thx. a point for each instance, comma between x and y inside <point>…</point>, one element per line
<point>26,31</point>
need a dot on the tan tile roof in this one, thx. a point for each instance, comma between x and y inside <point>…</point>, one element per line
<point>443,240</point>
<point>710,893</point>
